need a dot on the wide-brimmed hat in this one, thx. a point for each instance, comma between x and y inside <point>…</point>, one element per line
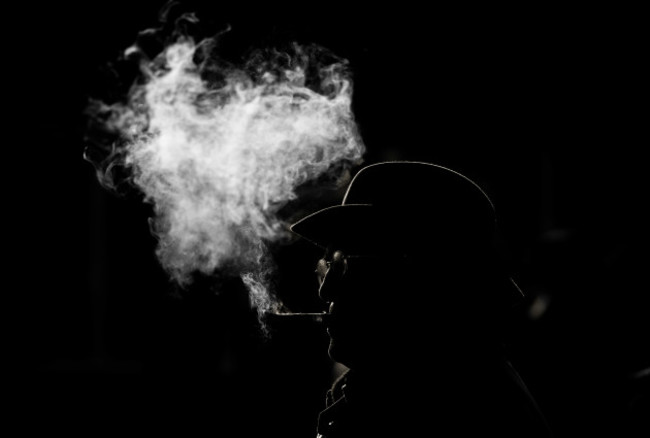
<point>389,204</point>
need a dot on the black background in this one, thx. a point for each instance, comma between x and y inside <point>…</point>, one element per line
<point>546,108</point>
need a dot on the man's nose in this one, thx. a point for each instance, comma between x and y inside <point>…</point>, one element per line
<point>327,289</point>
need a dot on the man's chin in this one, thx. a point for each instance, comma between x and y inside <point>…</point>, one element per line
<point>338,353</point>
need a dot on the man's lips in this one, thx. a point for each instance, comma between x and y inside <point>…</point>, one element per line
<point>333,321</point>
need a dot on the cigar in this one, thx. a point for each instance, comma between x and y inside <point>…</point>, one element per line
<point>314,316</point>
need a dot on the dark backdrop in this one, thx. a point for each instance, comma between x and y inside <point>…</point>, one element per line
<point>544,107</point>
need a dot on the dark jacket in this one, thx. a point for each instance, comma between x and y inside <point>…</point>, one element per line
<point>471,401</point>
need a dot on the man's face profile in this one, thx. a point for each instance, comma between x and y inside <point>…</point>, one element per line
<point>361,290</point>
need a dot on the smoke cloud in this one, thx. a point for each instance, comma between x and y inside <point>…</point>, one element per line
<point>219,149</point>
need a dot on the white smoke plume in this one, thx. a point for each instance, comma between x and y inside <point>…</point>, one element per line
<point>219,150</point>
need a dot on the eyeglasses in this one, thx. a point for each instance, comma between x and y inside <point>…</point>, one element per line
<point>339,264</point>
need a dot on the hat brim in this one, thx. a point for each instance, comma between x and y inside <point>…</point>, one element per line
<point>351,227</point>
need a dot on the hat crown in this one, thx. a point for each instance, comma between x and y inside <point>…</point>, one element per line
<point>419,189</point>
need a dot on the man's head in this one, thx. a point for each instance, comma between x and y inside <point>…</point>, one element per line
<point>409,252</point>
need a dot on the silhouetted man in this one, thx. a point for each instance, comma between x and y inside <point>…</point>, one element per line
<point>417,296</point>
